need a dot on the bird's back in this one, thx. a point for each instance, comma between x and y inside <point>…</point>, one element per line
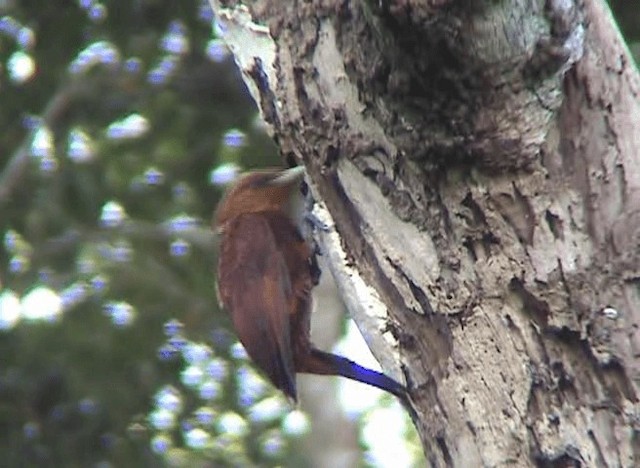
<point>264,282</point>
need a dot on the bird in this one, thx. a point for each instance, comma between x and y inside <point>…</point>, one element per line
<point>266,273</point>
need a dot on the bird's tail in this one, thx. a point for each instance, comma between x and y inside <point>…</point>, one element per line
<point>319,362</point>
<point>322,363</point>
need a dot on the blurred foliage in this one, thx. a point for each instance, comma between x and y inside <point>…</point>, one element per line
<point>119,120</point>
<point>115,117</point>
<point>627,14</point>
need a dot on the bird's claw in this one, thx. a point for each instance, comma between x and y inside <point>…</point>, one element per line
<point>316,223</point>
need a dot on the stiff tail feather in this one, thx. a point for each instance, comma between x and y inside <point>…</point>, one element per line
<point>320,362</point>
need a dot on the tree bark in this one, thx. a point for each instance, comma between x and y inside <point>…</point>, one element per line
<point>477,164</point>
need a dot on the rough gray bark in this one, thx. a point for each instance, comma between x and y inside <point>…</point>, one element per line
<point>478,165</point>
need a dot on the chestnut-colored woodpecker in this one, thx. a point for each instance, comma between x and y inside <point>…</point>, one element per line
<point>266,271</point>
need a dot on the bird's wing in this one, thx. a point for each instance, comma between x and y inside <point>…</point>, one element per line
<point>255,288</point>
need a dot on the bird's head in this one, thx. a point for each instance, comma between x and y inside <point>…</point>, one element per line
<point>259,191</point>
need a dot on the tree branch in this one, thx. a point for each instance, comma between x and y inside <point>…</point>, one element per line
<point>16,169</point>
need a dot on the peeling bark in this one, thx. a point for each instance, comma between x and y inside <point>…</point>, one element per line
<point>477,165</point>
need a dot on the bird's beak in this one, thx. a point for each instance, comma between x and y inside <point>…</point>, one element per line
<point>289,176</point>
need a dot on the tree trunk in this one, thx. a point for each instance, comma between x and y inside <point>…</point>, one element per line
<point>477,163</point>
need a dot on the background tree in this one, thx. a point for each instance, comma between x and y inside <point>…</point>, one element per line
<point>119,122</point>
<point>477,163</point>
